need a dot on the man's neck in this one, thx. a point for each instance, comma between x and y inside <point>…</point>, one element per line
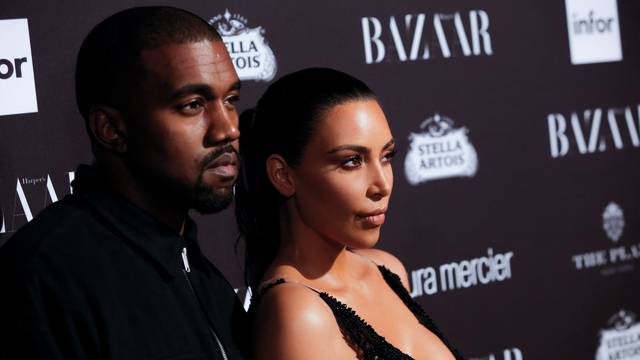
<point>123,183</point>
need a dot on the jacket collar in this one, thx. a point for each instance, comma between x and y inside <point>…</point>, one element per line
<point>156,241</point>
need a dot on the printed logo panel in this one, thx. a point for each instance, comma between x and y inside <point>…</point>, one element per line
<point>621,339</point>
<point>463,274</point>
<point>594,31</point>
<point>439,151</point>
<point>420,37</point>
<point>617,259</point>
<point>17,83</point>
<point>594,130</point>
<point>248,48</point>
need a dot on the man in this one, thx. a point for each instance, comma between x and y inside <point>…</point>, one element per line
<point>114,271</point>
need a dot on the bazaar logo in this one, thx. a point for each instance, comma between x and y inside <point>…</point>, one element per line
<point>418,37</point>
<point>439,151</point>
<point>621,339</point>
<point>594,130</point>
<point>30,196</point>
<point>613,221</point>
<point>248,48</point>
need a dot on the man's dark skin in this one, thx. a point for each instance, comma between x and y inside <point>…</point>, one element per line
<point>179,133</point>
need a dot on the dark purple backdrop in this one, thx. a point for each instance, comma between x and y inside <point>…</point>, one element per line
<point>529,251</point>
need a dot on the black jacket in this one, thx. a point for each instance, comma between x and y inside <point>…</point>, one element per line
<point>95,277</point>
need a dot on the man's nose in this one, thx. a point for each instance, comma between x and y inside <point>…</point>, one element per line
<point>222,126</point>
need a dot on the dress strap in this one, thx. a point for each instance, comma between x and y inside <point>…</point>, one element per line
<point>393,280</point>
<point>273,283</point>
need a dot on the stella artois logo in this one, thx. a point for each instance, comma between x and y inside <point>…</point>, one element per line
<point>439,151</point>
<point>621,339</point>
<point>247,46</point>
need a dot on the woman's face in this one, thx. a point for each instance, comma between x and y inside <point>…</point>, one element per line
<point>344,181</point>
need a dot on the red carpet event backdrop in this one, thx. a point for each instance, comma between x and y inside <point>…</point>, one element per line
<point>516,207</point>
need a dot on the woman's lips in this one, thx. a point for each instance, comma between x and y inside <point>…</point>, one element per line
<point>372,219</point>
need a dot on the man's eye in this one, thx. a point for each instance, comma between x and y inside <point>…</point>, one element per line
<point>192,107</point>
<point>352,162</point>
<point>231,101</point>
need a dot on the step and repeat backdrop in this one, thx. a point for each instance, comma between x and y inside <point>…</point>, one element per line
<point>516,207</point>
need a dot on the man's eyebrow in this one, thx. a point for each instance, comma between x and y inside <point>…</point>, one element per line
<point>235,86</point>
<point>200,89</point>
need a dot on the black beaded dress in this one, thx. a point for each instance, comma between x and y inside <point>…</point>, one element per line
<point>368,344</point>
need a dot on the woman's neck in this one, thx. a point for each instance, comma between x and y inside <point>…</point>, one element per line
<point>314,256</point>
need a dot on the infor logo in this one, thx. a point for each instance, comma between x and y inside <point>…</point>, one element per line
<point>17,84</point>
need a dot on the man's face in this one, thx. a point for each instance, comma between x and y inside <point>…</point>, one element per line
<point>182,131</point>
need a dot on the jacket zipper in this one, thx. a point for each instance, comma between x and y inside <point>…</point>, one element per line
<point>187,269</point>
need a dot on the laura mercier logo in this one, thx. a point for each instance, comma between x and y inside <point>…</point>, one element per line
<point>621,339</point>
<point>594,32</point>
<point>17,84</point>
<point>464,274</point>
<point>439,151</point>
<point>250,53</point>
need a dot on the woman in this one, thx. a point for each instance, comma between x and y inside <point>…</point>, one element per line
<point>312,197</point>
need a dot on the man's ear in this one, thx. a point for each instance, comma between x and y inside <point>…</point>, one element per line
<point>108,128</point>
<point>280,175</point>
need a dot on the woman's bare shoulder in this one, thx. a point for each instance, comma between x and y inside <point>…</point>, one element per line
<point>293,322</point>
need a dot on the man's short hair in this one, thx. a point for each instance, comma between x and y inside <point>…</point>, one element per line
<point>109,62</point>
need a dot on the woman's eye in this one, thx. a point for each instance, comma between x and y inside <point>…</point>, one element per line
<point>389,156</point>
<point>352,162</point>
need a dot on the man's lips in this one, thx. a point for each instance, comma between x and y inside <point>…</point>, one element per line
<point>225,165</point>
<point>373,218</point>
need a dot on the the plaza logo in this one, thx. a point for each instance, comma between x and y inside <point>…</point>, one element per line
<point>613,221</point>
<point>621,339</point>
<point>594,31</point>
<point>17,83</point>
<point>29,196</point>
<point>616,259</point>
<point>439,151</point>
<point>506,354</point>
<point>596,130</point>
<point>462,274</point>
<point>419,37</point>
<point>249,50</point>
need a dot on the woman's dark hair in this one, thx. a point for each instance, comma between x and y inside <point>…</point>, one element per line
<point>282,123</point>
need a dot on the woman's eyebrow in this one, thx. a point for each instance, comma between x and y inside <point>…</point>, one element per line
<point>389,144</point>
<point>356,148</point>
